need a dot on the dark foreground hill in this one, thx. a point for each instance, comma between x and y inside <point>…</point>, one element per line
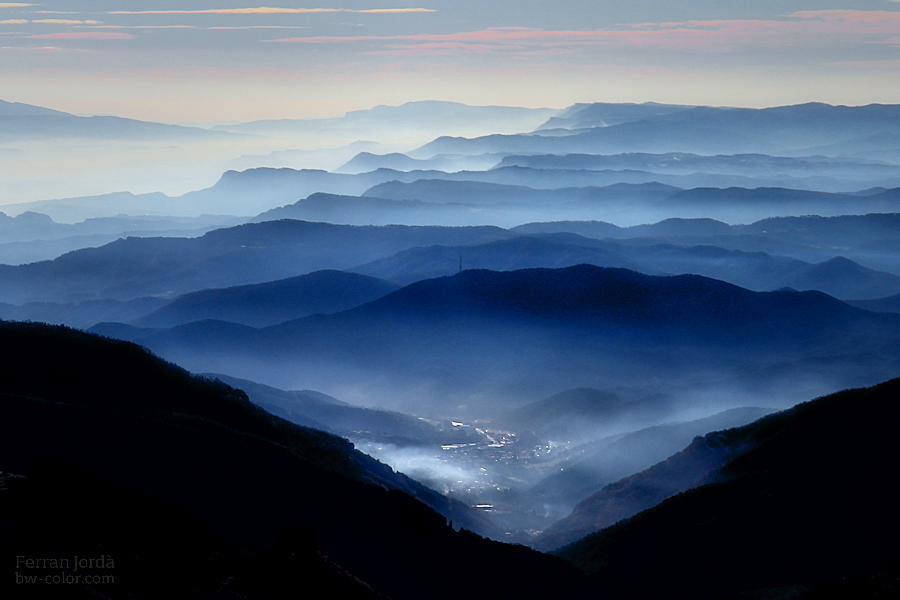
<point>608,460</point>
<point>195,493</point>
<point>807,497</point>
<point>320,411</point>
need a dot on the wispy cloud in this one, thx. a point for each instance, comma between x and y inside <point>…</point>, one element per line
<point>65,22</point>
<point>433,48</point>
<point>395,10</point>
<point>798,29</point>
<point>14,5</point>
<point>83,35</point>
<point>30,48</point>
<point>49,22</point>
<point>868,64</point>
<point>265,10</point>
<point>145,27</point>
<point>259,27</point>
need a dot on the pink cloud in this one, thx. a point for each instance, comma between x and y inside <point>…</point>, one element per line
<point>435,48</point>
<point>144,27</point>
<point>240,27</point>
<point>262,10</point>
<point>868,64</point>
<point>806,28</point>
<point>83,35</point>
<point>395,10</point>
<point>266,10</point>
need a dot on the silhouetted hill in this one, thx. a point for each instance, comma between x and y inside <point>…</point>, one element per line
<point>635,472</point>
<point>711,195</point>
<point>255,190</point>
<point>189,487</point>
<point>784,199</point>
<point>843,279</point>
<point>469,192</point>
<point>806,498</point>
<point>417,264</point>
<point>353,210</point>
<point>422,116</point>
<point>32,237</point>
<point>680,227</point>
<point>531,332</point>
<point>588,414</point>
<point>627,196</point>
<point>24,122</point>
<point>753,270</point>
<point>82,314</point>
<point>753,165</point>
<point>699,130</point>
<point>274,302</point>
<point>366,161</point>
<point>516,185</point>
<point>568,415</point>
<point>839,232</point>
<point>592,229</point>
<point>114,204</point>
<point>17,109</point>
<point>870,239</point>
<point>245,254</point>
<point>314,409</point>
<point>604,114</point>
<point>889,304</point>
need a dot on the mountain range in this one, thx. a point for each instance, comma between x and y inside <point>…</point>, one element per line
<point>584,331</point>
<point>422,348</point>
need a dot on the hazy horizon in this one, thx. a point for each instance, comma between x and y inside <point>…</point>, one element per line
<point>229,61</point>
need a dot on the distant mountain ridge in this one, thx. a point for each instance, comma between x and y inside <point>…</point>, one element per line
<point>604,114</point>
<point>254,191</point>
<point>760,166</point>
<point>396,121</point>
<point>699,130</point>
<point>18,109</point>
<point>23,121</point>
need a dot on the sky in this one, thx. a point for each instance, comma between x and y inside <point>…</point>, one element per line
<point>232,60</point>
